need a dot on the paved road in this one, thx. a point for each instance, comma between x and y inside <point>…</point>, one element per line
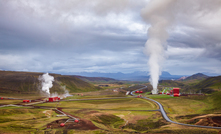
<point>165,115</point>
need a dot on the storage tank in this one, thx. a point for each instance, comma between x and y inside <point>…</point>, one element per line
<point>62,124</point>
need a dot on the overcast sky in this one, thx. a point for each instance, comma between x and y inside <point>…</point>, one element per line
<point>105,36</point>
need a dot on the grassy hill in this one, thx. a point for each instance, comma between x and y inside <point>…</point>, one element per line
<point>209,85</point>
<point>194,79</point>
<point>28,83</point>
<point>171,83</point>
<point>196,83</point>
<point>198,76</point>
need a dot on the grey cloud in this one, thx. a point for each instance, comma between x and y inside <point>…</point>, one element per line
<point>85,35</point>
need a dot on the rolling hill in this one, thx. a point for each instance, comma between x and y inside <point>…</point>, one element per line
<point>171,83</point>
<point>196,83</point>
<point>198,76</point>
<point>28,83</point>
<point>209,85</point>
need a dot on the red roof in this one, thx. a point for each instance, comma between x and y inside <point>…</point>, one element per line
<point>176,90</point>
<point>26,100</point>
<point>176,95</point>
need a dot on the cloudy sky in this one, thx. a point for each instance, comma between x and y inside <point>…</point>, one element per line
<point>106,36</point>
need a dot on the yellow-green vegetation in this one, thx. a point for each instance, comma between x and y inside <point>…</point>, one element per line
<point>108,120</point>
<point>159,96</point>
<point>125,115</point>
<point>189,107</point>
<point>23,120</point>
<point>10,101</point>
<point>115,104</point>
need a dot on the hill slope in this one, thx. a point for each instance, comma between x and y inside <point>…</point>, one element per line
<point>28,83</point>
<point>196,83</point>
<point>198,76</point>
<point>209,85</point>
<point>171,83</point>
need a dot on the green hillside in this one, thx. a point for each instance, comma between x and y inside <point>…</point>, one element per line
<point>194,79</point>
<point>198,76</point>
<point>197,83</point>
<point>28,83</point>
<point>171,83</point>
<point>209,85</point>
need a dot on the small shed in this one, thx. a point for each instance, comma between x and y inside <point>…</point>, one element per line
<point>25,101</point>
<point>176,92</point>
<point>51,99</point>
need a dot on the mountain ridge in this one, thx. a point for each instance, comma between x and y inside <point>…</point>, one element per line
<point>135,76</point>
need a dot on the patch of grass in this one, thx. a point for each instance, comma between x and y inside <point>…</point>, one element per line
<point>216,99</point>
<point>124,104</point>
<point>13,107</point>
<point>159,96</point>
<point>187,131</point>
<point>146,124</point>
<point>109,120</point>
<point>25,120</point>
<point>10,101</point>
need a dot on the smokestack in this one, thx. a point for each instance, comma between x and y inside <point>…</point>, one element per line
<point>46,82</point>
<point>159,14</point>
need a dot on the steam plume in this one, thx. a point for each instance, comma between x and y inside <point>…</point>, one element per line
<point>66,92</point>
<point>46,82</point>
<point>159,14</point>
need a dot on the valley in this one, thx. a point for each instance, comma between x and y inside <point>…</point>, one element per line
<point>109,110</point>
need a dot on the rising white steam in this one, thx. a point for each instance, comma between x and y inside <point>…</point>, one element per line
<point>66,92</point>
<point>158,13</point>
<point>46,82</point>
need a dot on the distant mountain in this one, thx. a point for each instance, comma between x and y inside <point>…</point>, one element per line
<point>211,74</point>
<point>198,76</point>
<point>97,79</point>
<point>182,78</point>
<point>135,76</point>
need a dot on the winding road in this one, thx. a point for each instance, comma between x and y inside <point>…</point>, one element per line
<point>165,115</point>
